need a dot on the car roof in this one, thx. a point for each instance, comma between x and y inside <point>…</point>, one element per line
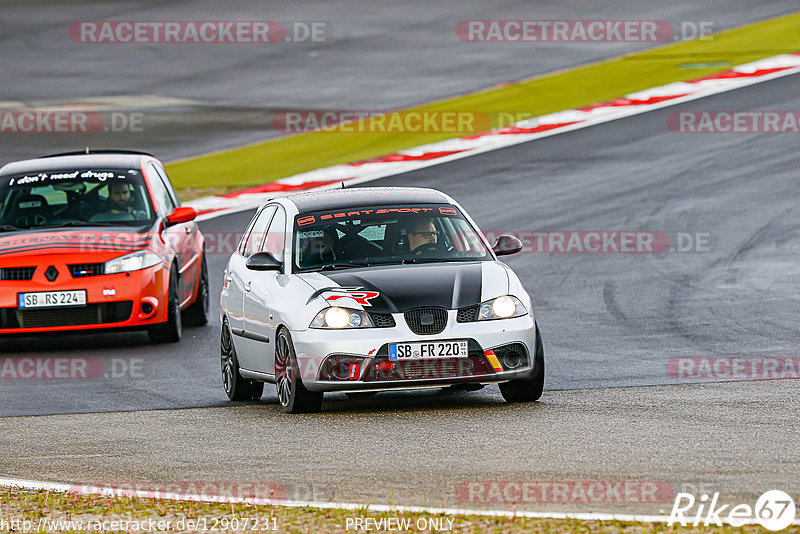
<point>365,196</point>
<point>75,162</point>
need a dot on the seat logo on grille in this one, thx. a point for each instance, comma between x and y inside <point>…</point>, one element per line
<point>426,319</point>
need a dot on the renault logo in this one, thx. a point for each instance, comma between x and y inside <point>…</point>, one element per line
<point>51,273</point>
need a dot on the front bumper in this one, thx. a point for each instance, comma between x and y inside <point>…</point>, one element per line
<point>369,347</point>
<point>123,300</point>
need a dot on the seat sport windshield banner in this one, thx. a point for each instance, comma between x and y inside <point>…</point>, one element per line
<point>379,212</point>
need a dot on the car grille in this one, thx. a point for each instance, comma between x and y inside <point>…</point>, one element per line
<point>468,315</point>
<point>98,313</point>
<point>384,369</point>
<point>426,321</point>
<point>80,270</point>
<point>17,273</point>
<point>382,320</point>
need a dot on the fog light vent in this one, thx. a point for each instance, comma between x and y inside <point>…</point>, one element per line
<point>513,356</point>
<point>339,367</point>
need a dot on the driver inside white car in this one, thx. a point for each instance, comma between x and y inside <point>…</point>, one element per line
<point>422,232</point>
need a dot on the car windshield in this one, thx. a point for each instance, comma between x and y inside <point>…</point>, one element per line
<point>74,198</point>
<point>379,235</point>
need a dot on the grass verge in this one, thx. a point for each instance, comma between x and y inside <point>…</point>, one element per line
<point>58,512</point>
<point>268,161</point>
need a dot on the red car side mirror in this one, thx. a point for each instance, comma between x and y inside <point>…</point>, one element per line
<point>181,215</point>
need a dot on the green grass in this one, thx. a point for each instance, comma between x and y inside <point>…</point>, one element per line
<point>268,161</point>
<point>36,506</point>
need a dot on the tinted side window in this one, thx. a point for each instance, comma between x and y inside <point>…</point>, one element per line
<point>276,235</point>
<point>168,185</point>
<point>259,228</point>
<point>160,193</point>
<point>246,234</point>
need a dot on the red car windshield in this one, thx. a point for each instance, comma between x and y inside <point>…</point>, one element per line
<point>75,198</point>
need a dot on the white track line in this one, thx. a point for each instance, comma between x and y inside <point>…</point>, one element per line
<point>34,485</point>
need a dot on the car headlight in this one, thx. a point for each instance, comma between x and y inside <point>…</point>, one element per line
<point>503,307</point>
<point>340,318</point>
<point>132,262</point>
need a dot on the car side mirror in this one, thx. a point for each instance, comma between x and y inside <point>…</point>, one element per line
<point>507,244</point>
<point>181,215</point>
<point>263,261</point>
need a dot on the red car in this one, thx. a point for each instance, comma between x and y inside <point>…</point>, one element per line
<point>98,241</point>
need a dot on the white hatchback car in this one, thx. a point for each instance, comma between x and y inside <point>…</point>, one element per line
<point>370,289</point>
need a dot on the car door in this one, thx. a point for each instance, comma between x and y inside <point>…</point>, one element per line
<point>239,284</point>
<point>232,296</point>
<point>258,301</point>
<point>182,237</point>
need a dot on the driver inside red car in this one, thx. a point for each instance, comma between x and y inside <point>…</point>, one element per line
<point>119,205</point>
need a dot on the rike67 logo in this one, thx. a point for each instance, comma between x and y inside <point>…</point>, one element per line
<point>774,510</point>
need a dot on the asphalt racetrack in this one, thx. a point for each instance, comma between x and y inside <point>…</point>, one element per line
<point>195,98</point>
<point>608,321</point>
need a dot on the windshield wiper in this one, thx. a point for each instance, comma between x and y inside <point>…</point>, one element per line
<point>341,265</point>
<point>9,228</point>
<point>429,260</point>
<point>76,223</point>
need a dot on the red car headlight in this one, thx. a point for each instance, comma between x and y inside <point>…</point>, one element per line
<point>132,262</point>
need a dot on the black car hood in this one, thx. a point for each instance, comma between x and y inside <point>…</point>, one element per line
<point>449,285</point>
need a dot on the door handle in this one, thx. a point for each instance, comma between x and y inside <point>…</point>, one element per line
<point>248,286</point>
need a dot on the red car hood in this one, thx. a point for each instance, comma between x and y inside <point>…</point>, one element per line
<point>78,241</point>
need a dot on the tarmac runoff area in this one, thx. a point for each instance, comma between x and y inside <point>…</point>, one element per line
<point>618,450</point>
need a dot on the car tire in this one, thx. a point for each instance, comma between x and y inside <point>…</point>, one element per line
<point>197,313</point>
<point>171,330</point>
<point>237,388</point>
<point>292,394</point>
<point>528,389</point>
